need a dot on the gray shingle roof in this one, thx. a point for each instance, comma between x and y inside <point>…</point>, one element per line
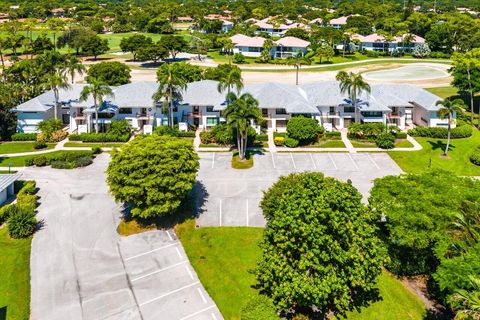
<point>135,94</point>
<point>204,93</point>
<point>8,179</point>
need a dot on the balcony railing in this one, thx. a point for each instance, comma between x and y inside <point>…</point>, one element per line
<point>79,116</point>
<point>195,114</point>
<point>330,114</point>
<point>394,115</point>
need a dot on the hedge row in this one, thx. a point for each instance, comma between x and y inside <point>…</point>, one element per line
<point>99,137</point>
<point>475,157</point>
<point>62,160</point>
<point>463,131</point>
<point>21,136</point>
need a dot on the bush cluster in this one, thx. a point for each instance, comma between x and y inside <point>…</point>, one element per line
<point>385,140</point>
<point>368,131</point>
<point>333,135</point>
<point>291,142</point>
<point>55,136</point>
<point>166,131</point>
<point>223,134</point>
<point>464,131</point>
<point>40,144</point>
<point>188,134</point>
<point>21,136</point>
<point>475,157</point>
<point>62,160</point>
<point>99,137</point>
<point>262,137</point>
<point>279,141</point>
<point>305,130</point>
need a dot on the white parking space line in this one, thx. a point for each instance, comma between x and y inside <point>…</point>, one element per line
<point>273,161</point>
<point>213,159</point>
<point>198,312</point>
<point>178,252</point>
<point>220,222</point>
<point>189,272</point>
<point>313,161</point>
<point>160,270</point>
<point>214,317</point>
<point>169,236</point>
<point>294,165</point>
<point>148,252</point>
<point>169,293</point>
<point>373,161</point>
<point>247,212</point>
<point>201,295</point>
<point>353,161</point>
<point>333,162</point>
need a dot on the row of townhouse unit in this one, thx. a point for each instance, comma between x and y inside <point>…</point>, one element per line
<point>392,104</point>
<point>282,48</point>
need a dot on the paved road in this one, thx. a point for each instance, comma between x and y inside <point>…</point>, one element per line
<point>230,197</point>
<point>82,269</point>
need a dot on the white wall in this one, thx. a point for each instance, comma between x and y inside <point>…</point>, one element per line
<point>28,121</point>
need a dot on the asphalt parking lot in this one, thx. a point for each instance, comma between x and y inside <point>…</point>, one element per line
<point>82,269</point>
<point>231,197</point>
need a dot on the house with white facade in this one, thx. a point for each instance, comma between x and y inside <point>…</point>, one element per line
<point>336,23</point>
<point>376,42</point>
<point>273,27</point>
<point>7,182</point>
<point>282,48</point>
<point>201,106</point>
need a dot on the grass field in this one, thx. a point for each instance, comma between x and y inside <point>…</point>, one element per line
<point>363,144</point>
<point>246,163</point>
<point>17,147</point>
<point>93,145</point>
<point>430,156</point>
<point>14,277</point>
<point>20,160</point>
<point>222,258</point>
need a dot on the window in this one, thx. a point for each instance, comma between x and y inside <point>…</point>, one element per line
<point>349,109</point>
<point>209,108</point>
<point>125,111</point>
<point>372,114</point>
<point>212,121</point>
<point>280,111</point>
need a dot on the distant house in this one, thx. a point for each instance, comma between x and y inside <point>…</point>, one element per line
<point>185,19</point>
<point>376,42</point>
<point>7,182</point>
<point>283,48</point>
<point>269,26</point>
<point>336,23</point>
<point>57,12</point>
<point>227,25</point>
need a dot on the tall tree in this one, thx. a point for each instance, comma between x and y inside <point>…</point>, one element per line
<point>74,65</point>
<point>134,43</point>
<point>448,110</point>
<point>241,111</point>
<point>174,44</point>
<point>98,89</point>
<point>354,85</point>
<point>466,74</point>
<point>320,252</point>
<point>232,78</point>
<point>172,80</point>
<point>55,82</point>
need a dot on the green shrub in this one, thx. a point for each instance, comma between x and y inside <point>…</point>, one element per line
<point>56,136</point>
<point>96,150</point>
<point>5,213</point>
<point>279,141</point>
<point>188,134</point>
<point>166,131</point>
<point>48,127</point>
<point>280,134</point>
<point>27,201</point>
<point>262,137</point>
<point>207,137</point>
<point>28,187</point>
<point>21,136</point>
<point>334,135</point>
<point>99,137</point>
<point>224,134</point>
<point>475,157</point>
<point>259,307</point>
<point>385,140</point>
<point>62,164</point>
<point>401,135</point>
<point>464,131</point>
<point>305,130</point>
<point>368,131</point>
<point>39,145</point>
<point>119,128</point>
<point>40,161</point>
<point>29,162</point>
<point>239,58</point>
<point>83,161</point>
<point>291,143</point>
<point>21,223</point>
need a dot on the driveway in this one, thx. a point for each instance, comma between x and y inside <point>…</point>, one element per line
<point>231,197</point>
<point>82,269</point>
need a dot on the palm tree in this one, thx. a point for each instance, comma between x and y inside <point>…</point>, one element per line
<point>353,84</point>
<point>239,114</point>
<point>468,301</point>
<point>72,65</point>
<point>171,82</point>
<point>55,82</point>
<point>297,61</point>
<point>466,224</point>
<point>233,78</point>
<point>98,89</point>
<point>448,109</point>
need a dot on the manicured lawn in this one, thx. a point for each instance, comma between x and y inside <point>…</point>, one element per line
<point>363,144</point>
<point>404,143</point>
<point>210,145</point>
<point>222,258</point>
<point>430,156</point>
<point>332,144</point>
<point>20,161</point>
<point>93,145</point>
<point>246,163</point>
<point>17,147</point>
<point>443,92</point>
<point>14,277</point>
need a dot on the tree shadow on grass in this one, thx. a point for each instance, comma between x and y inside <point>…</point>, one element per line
<point>191,208</point>
<point>440,145</point>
